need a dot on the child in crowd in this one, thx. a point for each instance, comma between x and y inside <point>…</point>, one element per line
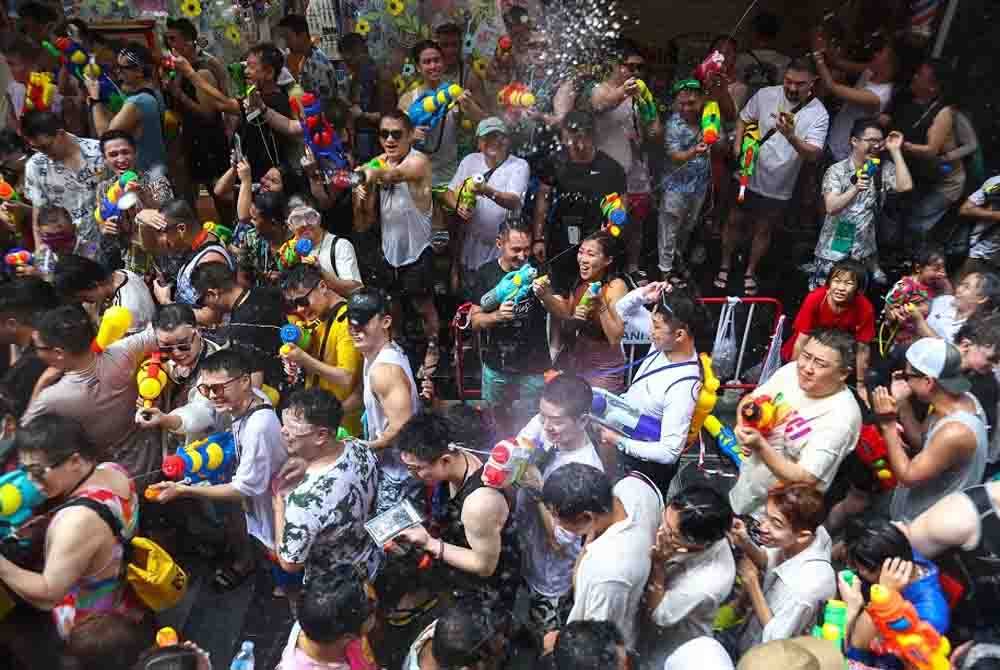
<point>912,292</point>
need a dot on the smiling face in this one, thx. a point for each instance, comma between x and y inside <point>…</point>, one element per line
<point>272,181</point>
<point>370,337</point>
<point>514,249</point>
<point>968,293</point>
<point>395,138</point>
<point>593,261</point>
<point>228,392</point>
<point>119,155</point>
<point>933,273</point>
<point>182,345</point>
<point>52,479</point>
<point>429,473</point>
<point>775,530</point>
<point>431,66</point>
<point>494,146</point>
<point>558,425</point>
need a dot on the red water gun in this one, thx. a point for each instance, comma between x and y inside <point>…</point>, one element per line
<point>872,451</point>
<point>903,634</point>
<point>505,51</point>
<point>760,413</point>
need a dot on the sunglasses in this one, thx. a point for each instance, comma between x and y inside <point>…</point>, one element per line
<point>182,347</point>
<point>394,134</point>
<point>302,301</point>
<point>208,390</point>
<point>37,471</point>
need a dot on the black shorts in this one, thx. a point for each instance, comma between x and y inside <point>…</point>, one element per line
<point>412,279</point>
<point>763,206</point>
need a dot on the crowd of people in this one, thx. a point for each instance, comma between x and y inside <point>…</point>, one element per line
<point>289,250</point>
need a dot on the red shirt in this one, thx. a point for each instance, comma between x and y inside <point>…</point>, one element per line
<point>857,318</point>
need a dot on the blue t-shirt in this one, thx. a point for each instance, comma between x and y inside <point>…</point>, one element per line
<point>151,150</point>
<point>689,177</point>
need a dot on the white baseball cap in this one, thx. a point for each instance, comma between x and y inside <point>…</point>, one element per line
<point>941,361</point>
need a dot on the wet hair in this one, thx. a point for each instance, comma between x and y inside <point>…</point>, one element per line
<point>36,123</point>
<point>870,541</point>
<point>471,427</point>
<point>269,55</point>
<point>75,273</point>
<point>270,205</point>
<point>840,341</point>
<point>117,135</point>
<point>588,645</point>
<point>352,42</point>
<point>705,514</point>
<point>575,488</point>
<point>173,316</point>
<point>185,27</point>
<point>56,436</point>
<point>570,393</point>
<point>852,267</point>
<point>683,310</point>
<point>296,23</point>
<point>859,127</point>
<point>214,275</point>
<point>928,255</point>
<point>318,407</point>
<point>463,633</point>
<point>766,24</point>
<point>51,215</point>
<point>610,247</point>
<point>25,298</point>
<point>68,327</point>
<point>426,436</point>
<point>180,211</point>
<point>515,226</point>
<point>302,275</point>
<point>801,505</point>
<point>398,115</point>
<point>228,360</point>
<point>108,641</point>
<point>981,329</point>
<point>803,64</point>
<point>301,200</point>
<point>334,603</point>
<point>420,47</point>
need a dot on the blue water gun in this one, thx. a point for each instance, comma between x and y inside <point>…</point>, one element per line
<point>869,169</point>
<point>725,439</point>
<point>18,499</point>
<point>82,65</point>
<point>318,133</point>
<point>615,413</point>
<point>515,286</point>
<point>431,106</point>
<point>209,460</point>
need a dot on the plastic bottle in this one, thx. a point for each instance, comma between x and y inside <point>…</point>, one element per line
<point>243,660</point>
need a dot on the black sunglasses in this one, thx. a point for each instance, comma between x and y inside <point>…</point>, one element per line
<point>394,134</point>
<point>302,300</point>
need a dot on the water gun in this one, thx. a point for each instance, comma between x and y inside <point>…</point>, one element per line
<point>504,54</point>
<point>114,324</point>
<point>7,192</point>
<point>869,170</point>
<point>834,626</point>
<point>209,460</point>
<point>431,106</point>
<point>151,379</point>
<point>749,152</point>
<point>82,66</point>
<point>760,413</point>
<point>212,228</point>
<point>470,188</point>
<point>40,92</point>
<point>508,461</point>
<point>238,75</point>
<point>903,634</point>
<point>590,293</point>
<point>613,412</point>
<point>711,65</point>
<point>872,451</point>
<point>169,65</point>
<point>18,257</point>
<point>293,251</point>
<point>613,210</point>
<point>117,200</point>
<point>725,440</point>
<point>515,286</point>
<point>644,102</point>
<point>293,333</point>
<point>318,133</point>
<point>18,498</point>
<point>711,122</point>
<point>515,96</point>
<point>707,397</point>
<point>167,637</point>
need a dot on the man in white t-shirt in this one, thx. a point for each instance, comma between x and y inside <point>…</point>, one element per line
<point>497,198</point>
<point>548,552</point>
<point>816,423</point>
<point>621,525</point>
<point>984,206</point>
<point>978,292</point>
<point>799,135</point>
<point>333,255</point>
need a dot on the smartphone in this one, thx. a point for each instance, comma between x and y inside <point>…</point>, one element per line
<point>392,522</point>
<point>237,148</point>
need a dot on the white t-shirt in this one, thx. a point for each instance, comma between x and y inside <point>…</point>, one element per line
<point>261,455</point>
<point>943,319</point>
<point>344,256</point>
<point>480,244</point>
<point>815,433</point>
<point>779,163</point>
<point>611,576</point>
<point>547,572</point>
<point>840,130</point>
<point>985,240</point>
<point>135,296</point>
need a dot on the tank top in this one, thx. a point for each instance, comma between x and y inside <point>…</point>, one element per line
<point>391,354</point>
<point>96,595</point>
<point>614,131</point>
<point>151,151</point>
<point>204,138</point>
<point>447,519</point>
<point>184,292</point>
<point>406,231</point>
<point>908,503</point>
<point>592,354</point>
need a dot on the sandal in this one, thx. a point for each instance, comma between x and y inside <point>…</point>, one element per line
<point>721,279</point>
<point>228,578</point>
<point>750,284</point>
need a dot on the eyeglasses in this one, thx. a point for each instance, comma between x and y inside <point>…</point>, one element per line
<point>37,471</point>
<point>208,390</point>
<point>394,134</point>
<point>302,301</point>
<point>182,347</point>
<point>906,374</point>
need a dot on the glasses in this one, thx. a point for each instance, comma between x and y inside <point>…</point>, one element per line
<point>37,471</point>
<point>302,301</point>
<point>906,374</point>
<point>208,390</point>
<point>394,134</point>
<point>182,347</point>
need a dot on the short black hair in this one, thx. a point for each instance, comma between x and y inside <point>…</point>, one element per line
<point>38,12</point>
<point>570,393</point>
<point>228,360</point>
<point>871,540</point>
<point>929,254</point>
<point>138,54</point>
<point>766,24</point>
<point>515,226</point>
<point>588,645</point>
<point>74,273</point>
<point>840,341</point>
<point>56,436</point>
<point>302,275</point>
<point>184,27</point>
<point>270,205</point>
<point>852,267</point>
<point>351,42</point>
<point>116,135</point>
<point>109,641</point>
<point>575,488</point>
<point>462,634</point>
<point>398,115</point>
<point>25,298</point>
<point>37,123</point>
<point>296,23</point>
<point>682,310</point>
<point>626,48</point>
<point>426,436</point>
<point>981,329</point>
<point>859,126</point>
<point>269,55</point>
<point>705,514</point>
<point>318,407</point>
<point>213,275</point>
<point>421,47</point>
<point>180,210</point>
<point>67,327</point>
<point>173,316</point>
<point>803,64</point>
<point>334,603</point>
<point>11,142</point>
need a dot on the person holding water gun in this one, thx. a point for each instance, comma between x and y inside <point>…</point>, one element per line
<point>591,329</point>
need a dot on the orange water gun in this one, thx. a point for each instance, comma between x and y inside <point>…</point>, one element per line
<point>514,95</point>
<point>903,634</point>
<point>7,192</point>
<point>760,413</point>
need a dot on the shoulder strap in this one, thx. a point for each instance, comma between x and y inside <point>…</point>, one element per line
<point>669,366</point>
<point>635,474</point>
<point>333,255</point>
<point>102,511</point>
<point>326,334</point>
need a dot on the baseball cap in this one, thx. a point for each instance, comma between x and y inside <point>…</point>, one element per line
<point>579,120</point>
<point>492,124</point>
<point>941,361</point>
<point>363,305</point>
<point>797,653</point>
<point>701,652</point>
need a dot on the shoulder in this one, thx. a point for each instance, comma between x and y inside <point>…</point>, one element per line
<point>486,502</point>
<point>815,297</point>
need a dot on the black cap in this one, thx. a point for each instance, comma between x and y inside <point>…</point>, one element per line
<point>364,304</point>
<point>578,120</point>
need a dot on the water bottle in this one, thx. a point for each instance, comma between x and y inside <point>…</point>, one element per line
<point>46,263</point>
<point>244,659</point>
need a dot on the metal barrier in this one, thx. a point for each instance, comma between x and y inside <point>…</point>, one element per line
<point>753,303</point>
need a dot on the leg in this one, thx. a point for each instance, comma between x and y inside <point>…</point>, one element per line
<point>762,228</point>
<point>670,215</point>
<point>689,221</point>
<point>731,233</point>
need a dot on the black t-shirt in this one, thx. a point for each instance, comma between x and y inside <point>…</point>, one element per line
<point>984,387</point>
<point>914,119</point>
<point>263,147</point>
<point>20,379</point>
<point>253,327</point>
<point>520,345</point>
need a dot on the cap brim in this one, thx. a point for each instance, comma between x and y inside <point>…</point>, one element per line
<point>955,385</point>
